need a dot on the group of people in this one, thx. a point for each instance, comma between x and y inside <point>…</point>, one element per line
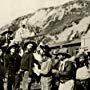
<point>38,63</point>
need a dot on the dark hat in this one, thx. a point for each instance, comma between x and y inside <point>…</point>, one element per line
<point>45,48</point>
<point>63,54</point>
<point>7,32</point>
<point>30,42</point>
<point>16,46</point>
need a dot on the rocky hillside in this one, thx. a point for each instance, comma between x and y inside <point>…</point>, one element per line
<point>58,24</point>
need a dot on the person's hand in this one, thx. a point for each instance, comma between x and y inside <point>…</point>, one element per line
<point>6,75</point>
<point>36,70</point>
<point>54,71</point>
<point>20,71</point>
<point>81,51</point>
<point>5,80</point>
<point>29,80</point>
<point>36,66</point>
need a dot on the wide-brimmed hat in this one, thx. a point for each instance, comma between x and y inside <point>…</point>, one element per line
<point>63,54</point>
<point>45,48</point>
<point>7,32</point>
<point>85,48</point>
<point>30,42</point>
<point>16,46</point>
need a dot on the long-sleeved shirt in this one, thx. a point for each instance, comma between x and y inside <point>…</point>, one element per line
<point>46,67</point>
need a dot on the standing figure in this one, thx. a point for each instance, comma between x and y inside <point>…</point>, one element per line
<point>46,68</point>
<point>12,65</point>
<point>2,71</point>
<point>67,71</point>
<point>55,72</point>
<point>83,72</point>
<point>27,64</point>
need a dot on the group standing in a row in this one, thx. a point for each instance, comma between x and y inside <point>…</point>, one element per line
<point>53,71</point>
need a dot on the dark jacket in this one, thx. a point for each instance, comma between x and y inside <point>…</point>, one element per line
<point>2,70</point>
<point>12,63</point>
<point>69,70</point>
<point>27,62</point>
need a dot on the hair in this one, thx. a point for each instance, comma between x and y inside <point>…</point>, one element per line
<point>33,47</point>
<point>16,47</point>
<point>48,54</point>
<point>85,61</point>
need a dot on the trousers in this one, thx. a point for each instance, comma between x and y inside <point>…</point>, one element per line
<point>1,84</point>
<point>68,85</point>
<point>46,83</point>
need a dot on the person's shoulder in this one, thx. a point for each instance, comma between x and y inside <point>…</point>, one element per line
<point>49,60</point>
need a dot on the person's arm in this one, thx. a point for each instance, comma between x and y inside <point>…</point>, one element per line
<point>36,62</point>
<point>6,62</point>
<point>55,71</point>
<point>47,68</point>
<point>72,59</point>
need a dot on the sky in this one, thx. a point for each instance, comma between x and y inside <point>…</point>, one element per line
<point>11,9</point>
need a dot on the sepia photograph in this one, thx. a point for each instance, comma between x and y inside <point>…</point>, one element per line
<point>44,44</point>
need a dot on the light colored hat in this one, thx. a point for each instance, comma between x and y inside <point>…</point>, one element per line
<point>85,48</point>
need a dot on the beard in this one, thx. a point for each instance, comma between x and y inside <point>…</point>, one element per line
<point>81,64</point>
<point>30,50</point>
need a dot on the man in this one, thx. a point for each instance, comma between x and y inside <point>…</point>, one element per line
<point>12,65</point>
<point>27,62</point>
<point>83,72</point>
<point>55,72</point>
<point>67,72</point>
<point>7,35</point>
<point>2,72</point>
<point>66,75</point>
<point>46,66</point>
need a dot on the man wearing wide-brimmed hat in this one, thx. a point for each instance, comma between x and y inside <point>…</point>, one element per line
<point>12,65</point>
<point>7,35</point>
<point>28,61</point>
<point>46,66</point>
<point>67,70</point>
